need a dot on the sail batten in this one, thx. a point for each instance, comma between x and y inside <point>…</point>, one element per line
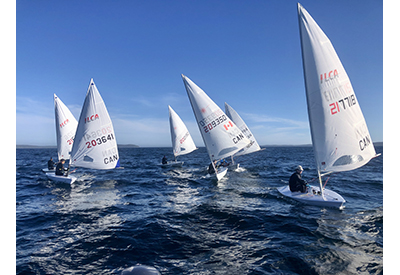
<point>340,136</point>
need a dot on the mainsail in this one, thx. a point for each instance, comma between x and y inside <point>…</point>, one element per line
<point>234,116</point>
<point>338,129</point>
<point>65,128</point>
<point>220,135</point>
<point>95,145</point>
<point>182,142</point>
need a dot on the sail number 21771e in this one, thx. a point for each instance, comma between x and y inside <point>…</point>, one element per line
<point>347,101</point>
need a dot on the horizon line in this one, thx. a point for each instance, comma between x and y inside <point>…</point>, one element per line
<point>27,146</point>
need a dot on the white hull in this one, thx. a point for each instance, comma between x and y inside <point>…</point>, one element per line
<point>332,199</point>
<point>70,179</point>
<point>221,172</point>
<point>46,170</point>
<point>173,164</point>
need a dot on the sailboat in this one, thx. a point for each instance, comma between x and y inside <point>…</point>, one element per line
<point>95,144</point>
<point>65,130</point>
<point>221,136</point>
<point>182,142</point>
<point>340,137</point>
<point>253,146</point>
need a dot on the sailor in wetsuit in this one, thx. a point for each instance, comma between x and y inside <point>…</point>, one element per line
<point>50,164</point>
<point>211,169</point>
<point>295,181</point>
<point>60,168</point>
<point>164,160</point>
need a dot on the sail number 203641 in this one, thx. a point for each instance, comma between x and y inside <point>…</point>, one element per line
<point>339,105</point>
<point>99,141</point>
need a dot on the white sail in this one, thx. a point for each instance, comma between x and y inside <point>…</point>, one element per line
<point>95,145</point>
<point>234,116</point>
<point>182,142</point>
<point>339,133</point>
<point>221,136</point>
<point>65,128</point>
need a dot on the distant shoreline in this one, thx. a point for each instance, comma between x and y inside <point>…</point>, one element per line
<point>55,147</point>
<point>379,143</point>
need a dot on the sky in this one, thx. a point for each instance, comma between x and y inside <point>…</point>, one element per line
<point>245,53</point>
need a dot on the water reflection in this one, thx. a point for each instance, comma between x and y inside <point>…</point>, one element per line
<point>87,195</point>
<point>352,239</point>
<point>183,199</point>
<point>84,219</point>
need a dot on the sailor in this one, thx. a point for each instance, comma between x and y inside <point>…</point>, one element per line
<point>224,163</point>
<point>164,160</point>
<point>50,164</point>
<point>60,168</point>
<point>295,181</point>
<point>211,169</point>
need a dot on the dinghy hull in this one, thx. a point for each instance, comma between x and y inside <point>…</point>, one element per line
<point>330,199</point>
<point>52,176</point>
<point>46,170</point>
<point>221,172</point>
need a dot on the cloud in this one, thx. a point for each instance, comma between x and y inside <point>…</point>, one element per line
<point>292,124</point>
<point>142,131</point>
<point>276,130</point>
<point>145,132</point>
<point>30,106</point>
<point>34,122</point>
<point>33,129</point>
<point>157,101</point>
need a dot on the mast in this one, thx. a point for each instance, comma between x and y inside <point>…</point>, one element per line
<point>308,109</point>
<point>320,185</point>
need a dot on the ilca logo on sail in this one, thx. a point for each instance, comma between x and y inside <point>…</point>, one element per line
<point>91,118</point>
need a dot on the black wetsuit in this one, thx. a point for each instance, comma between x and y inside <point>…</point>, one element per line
<point>164,160</point>
<point>60,169</point>
<point>211,169</point>
<point>50,164</point>
<point>297,184</point>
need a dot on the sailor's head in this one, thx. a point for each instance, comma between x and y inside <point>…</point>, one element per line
<point>62,160</point>
<point>299,169</point>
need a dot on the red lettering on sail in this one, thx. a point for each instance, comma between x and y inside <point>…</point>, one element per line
<point>62,124</point>
<point>331,75</point>
<point>91,118</point>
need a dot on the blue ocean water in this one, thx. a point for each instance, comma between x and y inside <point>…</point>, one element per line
<point>181,221</point>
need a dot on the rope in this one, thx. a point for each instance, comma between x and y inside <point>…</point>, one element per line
<point>328,179</point>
